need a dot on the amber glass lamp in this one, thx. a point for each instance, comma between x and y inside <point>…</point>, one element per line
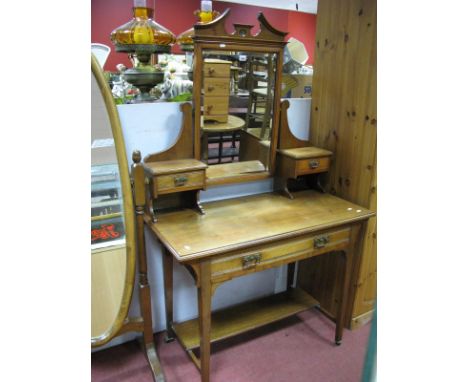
<point>141,37</point>
<point>204,15</point>
<point>185,40</point>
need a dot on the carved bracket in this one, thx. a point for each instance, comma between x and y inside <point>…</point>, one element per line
<point>216,31</point>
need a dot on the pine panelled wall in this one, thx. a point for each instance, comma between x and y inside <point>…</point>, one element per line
<point>344,120</point>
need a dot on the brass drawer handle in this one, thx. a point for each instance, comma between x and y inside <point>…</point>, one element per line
<point>208,109</point>
<point>180,181</point>
<point>314,163</point>
<point>251,260</point>
<point>211,88</point>
<point>321,241</point>
<point>211,71</point>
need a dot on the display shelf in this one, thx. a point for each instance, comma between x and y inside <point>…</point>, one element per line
<point>247,316</point>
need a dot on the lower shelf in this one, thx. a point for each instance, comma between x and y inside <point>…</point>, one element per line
<point>251,315</point>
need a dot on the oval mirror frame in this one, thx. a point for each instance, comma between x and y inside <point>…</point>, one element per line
<point>127,205</point>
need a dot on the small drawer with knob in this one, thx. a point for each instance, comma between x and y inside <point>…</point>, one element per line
<point>165,184</point>
<point>216,68</point>
<point>215,106</point>
<point>216,109</point>
<point>293,163</point>
<point>171,176</point>
<point>216,87</point>
<point>312,165</point>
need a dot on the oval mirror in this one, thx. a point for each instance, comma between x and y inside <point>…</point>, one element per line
<point>112,216</point>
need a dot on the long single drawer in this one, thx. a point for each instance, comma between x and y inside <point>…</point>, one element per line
<point>272,255</point>
<point>216,70</point>
<point>312,166</point>
<point>166,184</point>
<point>216,87</point>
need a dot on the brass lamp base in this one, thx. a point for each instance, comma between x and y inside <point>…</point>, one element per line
<point>143,76</point>
<point>144,81</point>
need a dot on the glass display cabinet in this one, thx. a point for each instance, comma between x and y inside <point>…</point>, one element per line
<point>107,224</point>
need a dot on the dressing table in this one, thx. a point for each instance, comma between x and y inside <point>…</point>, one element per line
<point>240,236</point>
<point>236,237</point>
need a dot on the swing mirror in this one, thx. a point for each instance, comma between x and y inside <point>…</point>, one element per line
<point>237,88</point>
<point>112,220</point>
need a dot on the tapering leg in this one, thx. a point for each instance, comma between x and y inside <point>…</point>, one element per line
<point>204,318</point>
<point>168,293</point>
<point>340,317</point>
<point>144,288</point>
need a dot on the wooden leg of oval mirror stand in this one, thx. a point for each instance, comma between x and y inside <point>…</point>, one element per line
<point>138,175</point>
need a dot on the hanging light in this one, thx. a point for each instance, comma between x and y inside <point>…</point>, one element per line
<point>141,37</point>
<point>205,14</point>
<point>142,32</point>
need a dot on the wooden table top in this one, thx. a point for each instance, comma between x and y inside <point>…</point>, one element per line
<point>225,170</point>
<point>174,166</point>
<point>233,123</point>
<point>306,152</point>
<point>242,222</point>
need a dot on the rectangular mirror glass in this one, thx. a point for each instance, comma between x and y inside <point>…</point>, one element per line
<point>236,97</point>
<point>237,108</point>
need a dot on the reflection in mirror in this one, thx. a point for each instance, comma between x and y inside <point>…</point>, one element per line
<point>298,115</point>
<point>237,109</point>
<point>111,269</point>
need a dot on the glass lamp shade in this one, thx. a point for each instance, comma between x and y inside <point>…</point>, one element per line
<point>142,33</point>
<point>185,39</point>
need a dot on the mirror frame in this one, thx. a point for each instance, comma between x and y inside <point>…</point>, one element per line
<point>213,36</point>
<point>127,205</point>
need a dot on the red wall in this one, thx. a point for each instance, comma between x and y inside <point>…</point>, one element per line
<point>301,26</point>
<point>177,15</point>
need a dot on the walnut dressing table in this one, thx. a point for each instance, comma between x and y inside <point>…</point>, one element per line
<point>240,236</point>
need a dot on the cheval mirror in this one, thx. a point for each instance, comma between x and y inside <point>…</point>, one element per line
<point>116,236</point>
<point>237,87</point>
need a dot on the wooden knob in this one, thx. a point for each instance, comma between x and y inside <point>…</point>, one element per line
<point>136,156</point>
<point>211,88</point>
<point>211,70</point>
